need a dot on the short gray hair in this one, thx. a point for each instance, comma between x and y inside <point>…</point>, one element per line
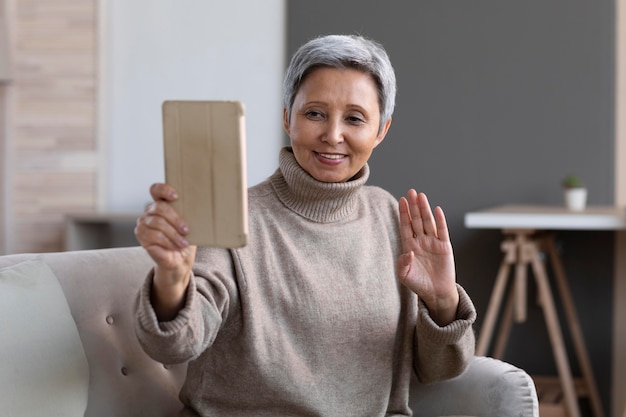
<point>343,51</point>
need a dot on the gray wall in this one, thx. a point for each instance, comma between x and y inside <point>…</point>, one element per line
<point>498,100</point>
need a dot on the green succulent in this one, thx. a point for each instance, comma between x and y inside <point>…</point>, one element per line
<point>572,181</point>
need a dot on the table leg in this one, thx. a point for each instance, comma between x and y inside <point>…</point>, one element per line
<point>554,332</point>
<point>505,327</point>
<point>496,299</point>
<point>523,258</point>
<point>574,326</point>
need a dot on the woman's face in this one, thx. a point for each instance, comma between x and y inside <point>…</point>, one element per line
<point>334,124</point>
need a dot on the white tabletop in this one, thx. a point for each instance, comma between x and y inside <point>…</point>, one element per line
<point>547,218</point>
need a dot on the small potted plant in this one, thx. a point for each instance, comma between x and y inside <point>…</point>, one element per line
<point>575,192</point>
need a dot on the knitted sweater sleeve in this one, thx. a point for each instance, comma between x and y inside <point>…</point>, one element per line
<point>444,352</point>
<point>209,296</point>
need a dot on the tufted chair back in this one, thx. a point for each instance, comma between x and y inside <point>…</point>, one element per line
<point>100,287</point>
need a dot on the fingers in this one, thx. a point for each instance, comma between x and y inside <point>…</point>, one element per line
<point>422,219</point>
<point>160,225</point>
<point>426,215</point>
<point>406,228</point>
<point>442,225</point>
<point>417,218</point>
<point>161,191</point>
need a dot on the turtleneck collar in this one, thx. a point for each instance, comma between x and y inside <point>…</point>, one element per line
<point>321,202</point>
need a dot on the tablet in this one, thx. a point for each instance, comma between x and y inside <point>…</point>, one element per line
<point>205,161</point>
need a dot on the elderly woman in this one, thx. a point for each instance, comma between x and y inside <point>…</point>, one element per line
<point>342,291</point>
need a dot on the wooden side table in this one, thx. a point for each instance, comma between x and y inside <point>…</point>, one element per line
<point>100,230</point>
<point>528,232</point>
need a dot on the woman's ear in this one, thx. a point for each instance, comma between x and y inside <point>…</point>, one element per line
<point>383,132</point>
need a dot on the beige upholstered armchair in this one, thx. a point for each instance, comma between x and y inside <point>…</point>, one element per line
<point>69,349</point>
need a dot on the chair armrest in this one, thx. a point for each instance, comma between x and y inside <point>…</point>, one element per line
<point>489,387</point>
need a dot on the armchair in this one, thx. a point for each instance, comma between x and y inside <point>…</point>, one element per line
<point>76,309</point>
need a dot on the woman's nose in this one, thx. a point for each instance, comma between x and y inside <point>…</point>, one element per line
<point>334,132</point>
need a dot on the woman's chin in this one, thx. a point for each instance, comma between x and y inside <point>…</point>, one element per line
<point>329,176</point>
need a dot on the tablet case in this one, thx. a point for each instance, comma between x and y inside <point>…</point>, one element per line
<point>204,149</point>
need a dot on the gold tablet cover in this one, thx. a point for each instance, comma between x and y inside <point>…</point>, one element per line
<point>204,149</point>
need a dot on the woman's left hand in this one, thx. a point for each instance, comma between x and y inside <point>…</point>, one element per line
<point>427,264</point>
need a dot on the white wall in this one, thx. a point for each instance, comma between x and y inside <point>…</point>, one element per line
<point>155,50</point>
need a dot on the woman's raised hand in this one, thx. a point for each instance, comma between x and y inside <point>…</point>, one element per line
<point>427,263</point>
<point>161,232</point>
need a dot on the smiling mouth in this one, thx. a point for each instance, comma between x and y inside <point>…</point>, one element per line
<point>331,155</point>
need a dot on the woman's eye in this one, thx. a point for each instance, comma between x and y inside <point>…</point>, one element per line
<point>314,114</point>
<point>355,119</point>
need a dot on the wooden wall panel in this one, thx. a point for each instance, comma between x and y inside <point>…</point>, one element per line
<point>53,169</point>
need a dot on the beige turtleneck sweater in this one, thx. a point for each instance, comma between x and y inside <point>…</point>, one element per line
<point>308,319</point>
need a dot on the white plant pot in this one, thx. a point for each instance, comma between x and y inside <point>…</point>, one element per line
<point>576,199</point>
